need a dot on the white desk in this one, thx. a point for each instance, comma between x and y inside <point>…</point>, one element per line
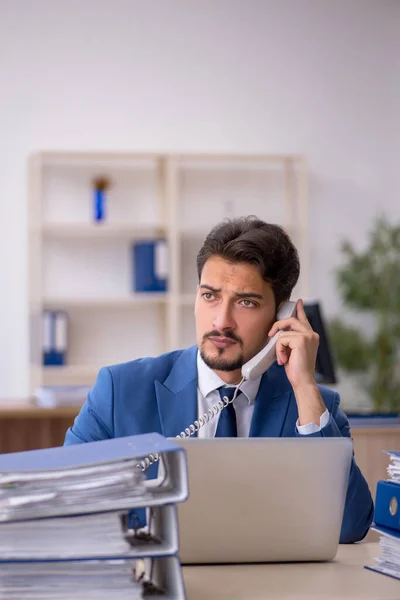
<point>343,578</point>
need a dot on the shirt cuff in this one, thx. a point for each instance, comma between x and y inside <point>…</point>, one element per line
<point>312,427</point>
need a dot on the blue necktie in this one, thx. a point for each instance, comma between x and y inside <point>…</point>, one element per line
<point>227,418</point>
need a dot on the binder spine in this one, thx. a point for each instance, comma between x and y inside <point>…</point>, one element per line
<point>150,260</point>
<point>174,477</point>
<point>55,338</point>
<point>162,538</point>
<point>167,575</point>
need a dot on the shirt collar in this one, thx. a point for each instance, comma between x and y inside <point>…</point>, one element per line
<point>208,381</point>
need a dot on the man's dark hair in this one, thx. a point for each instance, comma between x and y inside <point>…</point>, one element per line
<point>250,240</point>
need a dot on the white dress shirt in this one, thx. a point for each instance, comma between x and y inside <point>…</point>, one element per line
<point>208,395</point>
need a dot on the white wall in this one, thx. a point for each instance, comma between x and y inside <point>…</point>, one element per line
<point>311,76</point>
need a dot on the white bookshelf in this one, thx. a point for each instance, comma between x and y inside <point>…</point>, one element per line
<point>85,268</point>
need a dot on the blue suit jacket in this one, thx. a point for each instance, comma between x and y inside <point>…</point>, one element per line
<point>160,394</point>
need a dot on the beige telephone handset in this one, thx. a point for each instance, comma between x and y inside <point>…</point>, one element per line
<point>252,369</point>
<point>262,361</point>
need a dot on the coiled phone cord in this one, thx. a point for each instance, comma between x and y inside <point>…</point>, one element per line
<point>194,427</point>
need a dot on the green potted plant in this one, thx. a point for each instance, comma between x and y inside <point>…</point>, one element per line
<point>369,282</point>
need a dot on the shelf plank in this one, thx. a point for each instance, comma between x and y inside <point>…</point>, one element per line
<point>94,158</point>
<point>103,231</point>
<point>70,375</point>
<point>95,155</point>
<point>137,299</point>
<point>106,303</point>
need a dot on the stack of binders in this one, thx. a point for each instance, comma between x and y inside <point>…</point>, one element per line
<point>69,525</point>
<point>387,520</point>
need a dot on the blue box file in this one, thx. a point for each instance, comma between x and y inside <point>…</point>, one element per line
<point>150,266</point>
<point>387,505</point>
<point>55,342</point>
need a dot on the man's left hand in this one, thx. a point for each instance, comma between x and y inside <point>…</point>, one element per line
<point>297,349</point>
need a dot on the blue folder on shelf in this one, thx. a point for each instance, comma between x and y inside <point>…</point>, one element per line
<point>55,338</point>
<point>150,266</point>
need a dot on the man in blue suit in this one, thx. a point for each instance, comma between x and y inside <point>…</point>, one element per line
<point>247,269</point>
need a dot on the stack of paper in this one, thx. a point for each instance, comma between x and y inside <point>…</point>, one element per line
<point>123,579</point>
<point>42,493</point>
<point>64,537</point>
<point>67,526</point>
<point>96,535</point>
<point>56,580</point>
<point>394,467</point>
<point>387,520</point>
<point>388,562</point>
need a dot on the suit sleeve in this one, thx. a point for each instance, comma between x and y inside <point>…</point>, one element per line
<point>359,507</point>
<point>95,419</point>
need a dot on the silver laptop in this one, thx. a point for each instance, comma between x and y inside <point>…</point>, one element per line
<point>263,499</point>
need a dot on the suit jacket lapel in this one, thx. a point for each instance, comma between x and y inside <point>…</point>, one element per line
<point>177,395</point>
<point>271,404</point>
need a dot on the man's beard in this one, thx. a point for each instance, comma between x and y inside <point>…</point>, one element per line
<point>219,363</point>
